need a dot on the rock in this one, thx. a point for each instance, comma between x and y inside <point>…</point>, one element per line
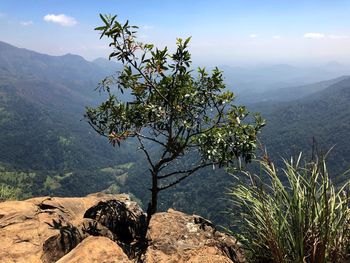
<point>128,223</point>
<point>44,229</point>
<point>177,237</point>
<point>106,228</point>
<point>96,249</point>
<point>125,220</point>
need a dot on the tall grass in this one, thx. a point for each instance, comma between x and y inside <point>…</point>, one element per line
<point>295,215</point>
<point>9,193</point>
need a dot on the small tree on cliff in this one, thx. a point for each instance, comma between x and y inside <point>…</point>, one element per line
<point>170,107</point>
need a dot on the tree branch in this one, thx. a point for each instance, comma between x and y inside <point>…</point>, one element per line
<point>185,171</point>
<point>142,147</point>
<point>182,178</point>
<point>151,139</point>
<point>147,80</point>
<point>96,130</point>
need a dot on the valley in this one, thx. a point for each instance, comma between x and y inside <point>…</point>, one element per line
<point>47,147</point>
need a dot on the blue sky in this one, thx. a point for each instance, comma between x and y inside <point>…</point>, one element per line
<point>223,32</point>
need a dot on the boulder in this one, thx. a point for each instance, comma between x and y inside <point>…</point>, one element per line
<point>96,249</point>
<point>176,237</point>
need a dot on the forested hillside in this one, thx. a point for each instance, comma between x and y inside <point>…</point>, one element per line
<point>48,148</point>
<point>322,119</point>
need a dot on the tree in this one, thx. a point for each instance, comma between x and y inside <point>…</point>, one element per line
<point>184,115</point>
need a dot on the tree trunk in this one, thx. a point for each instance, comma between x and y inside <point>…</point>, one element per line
<point>152,206</point>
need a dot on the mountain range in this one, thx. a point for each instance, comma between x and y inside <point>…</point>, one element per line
<point>265,82</point>
<point>48,149</point>
<point>320,121</point>
<point>45,143</point>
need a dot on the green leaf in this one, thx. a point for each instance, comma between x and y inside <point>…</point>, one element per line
<point>104,20</point>
<point>187,41</point>
<point>100,28</point>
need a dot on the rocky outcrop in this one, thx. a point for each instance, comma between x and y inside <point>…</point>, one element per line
<point>45,229</point>
<point>96,249</point>
<point>106,228</point>
<point>176,237</point>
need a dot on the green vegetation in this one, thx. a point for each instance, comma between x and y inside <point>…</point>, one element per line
<point>171,113</point>
<point>9,193</point>
<point>45,147</point>
<point>295,215</point>
<point>27,183</point>
<point>42,102</point>
<point>321,120</point>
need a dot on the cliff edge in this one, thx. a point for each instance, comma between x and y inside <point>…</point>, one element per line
<point>106,228</point>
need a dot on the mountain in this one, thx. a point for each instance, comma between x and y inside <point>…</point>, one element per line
<point>256,84</point>
<point>63,82</point>
<point>106,65</point>
<point>322,117</point>
<point>46,146</point>
<point>294,93</point>
<point>48,149</point>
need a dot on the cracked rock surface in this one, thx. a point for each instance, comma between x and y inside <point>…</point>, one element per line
<point>176,237</point>
<point>106,228</point>
<point>28,232</point>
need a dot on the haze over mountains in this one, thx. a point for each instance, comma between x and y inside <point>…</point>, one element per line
<point>48,94</point>
<point>46,147</point>
<point>63,81</point>
<point>266,82</point>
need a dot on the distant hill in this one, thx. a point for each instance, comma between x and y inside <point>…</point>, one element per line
<point>42,131</point>
<point>67,82</point>
<point>296,92</point>
<point>265,82</point>
<point>106,65</point>
<point>291,126</point>
<point>47,149</point>
<point>323,115</point>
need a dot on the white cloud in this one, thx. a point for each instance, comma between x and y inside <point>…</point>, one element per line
<point>276,37</point>
<point>27,23</point>
<point>314,35</point>
<point>147,27</point>
<point>338,36</point>
<point>61,19</point>
<point>143,36</point>
<point>253,35</point>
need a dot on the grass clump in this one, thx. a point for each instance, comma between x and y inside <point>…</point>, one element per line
<point>292,215</point>
<point>9,193</point>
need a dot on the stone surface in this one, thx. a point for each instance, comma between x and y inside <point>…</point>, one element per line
<point>177,237</point>
<point>96,249</point>
<point>25,233</point>
<point>106,228</point>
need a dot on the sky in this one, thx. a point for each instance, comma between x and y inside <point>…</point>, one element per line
<point>224,32</point>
